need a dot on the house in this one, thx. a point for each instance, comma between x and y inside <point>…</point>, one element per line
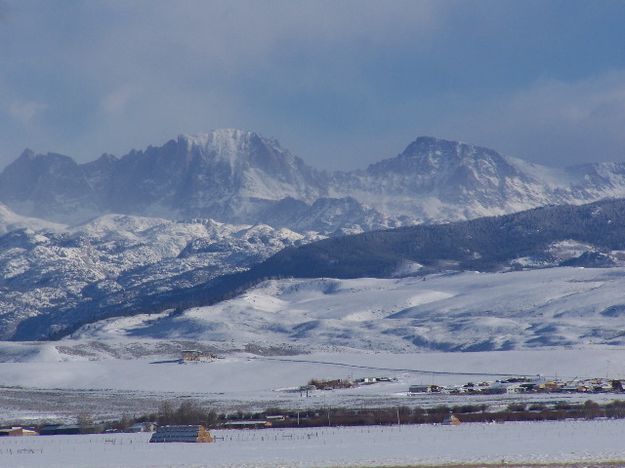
<point>192,433</point>
<point>367,380</point>
<point>142,427</point>
<point>16,432</point>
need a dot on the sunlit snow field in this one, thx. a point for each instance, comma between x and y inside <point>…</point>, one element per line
<point>53,388</point>
<point>563,442</point>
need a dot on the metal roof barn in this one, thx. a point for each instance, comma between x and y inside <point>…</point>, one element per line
<point>191,433</point>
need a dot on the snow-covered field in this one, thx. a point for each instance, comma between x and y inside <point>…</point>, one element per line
<point>457,312</point>
<point>48,387</point>
<point>548,442</point>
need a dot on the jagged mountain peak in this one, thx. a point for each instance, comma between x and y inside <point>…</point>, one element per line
<point>428,153</point>
<point>219,137</point>
<point>436,164</point>
<point>230,144</point>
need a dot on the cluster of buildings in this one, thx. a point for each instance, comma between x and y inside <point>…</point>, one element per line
<point>196,355</point>
<point>69,429</point>
<point>337,384</point>
<point>48,429</point>
<point>17,431</point>
<point>525,385</point>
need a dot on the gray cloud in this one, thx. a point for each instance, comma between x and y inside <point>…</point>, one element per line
<point>552,122</point>
<point>4,11</point>
<point>340,83</point>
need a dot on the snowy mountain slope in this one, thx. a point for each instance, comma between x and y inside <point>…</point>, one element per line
<point>239,177</point>
<point>10,221</point>
<point>119,261</point>
<point>467,311</point>
<point>537,238</point>
<point>141,265</point>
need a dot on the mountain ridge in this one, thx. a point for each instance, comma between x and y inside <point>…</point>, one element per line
<point>241,177</point>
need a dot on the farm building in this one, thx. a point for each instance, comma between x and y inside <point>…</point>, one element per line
<point>249,424</point>
<point>16,432</point>
<point>142,427</point>
<point>182,434</point>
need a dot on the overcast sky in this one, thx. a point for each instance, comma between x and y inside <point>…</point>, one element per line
<point>339,83</point>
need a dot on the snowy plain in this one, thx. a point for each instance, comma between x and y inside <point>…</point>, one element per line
<point>567,443</point>
<point>48,389</point>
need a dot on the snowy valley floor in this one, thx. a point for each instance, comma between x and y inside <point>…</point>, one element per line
<point>37,382</point>
<point>47,385</point>
<point>583,443</point>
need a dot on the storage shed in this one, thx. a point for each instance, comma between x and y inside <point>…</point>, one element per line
<point>182,434</point>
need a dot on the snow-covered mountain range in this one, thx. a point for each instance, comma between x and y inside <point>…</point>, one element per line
<point>158,231</point>
<point>240,177</point>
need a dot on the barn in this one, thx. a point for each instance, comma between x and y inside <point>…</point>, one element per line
<point>193,433</point>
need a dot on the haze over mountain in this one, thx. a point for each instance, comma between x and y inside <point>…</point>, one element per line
<point>236,177</point>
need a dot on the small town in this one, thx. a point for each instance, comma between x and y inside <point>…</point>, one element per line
<point>512,385</point>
